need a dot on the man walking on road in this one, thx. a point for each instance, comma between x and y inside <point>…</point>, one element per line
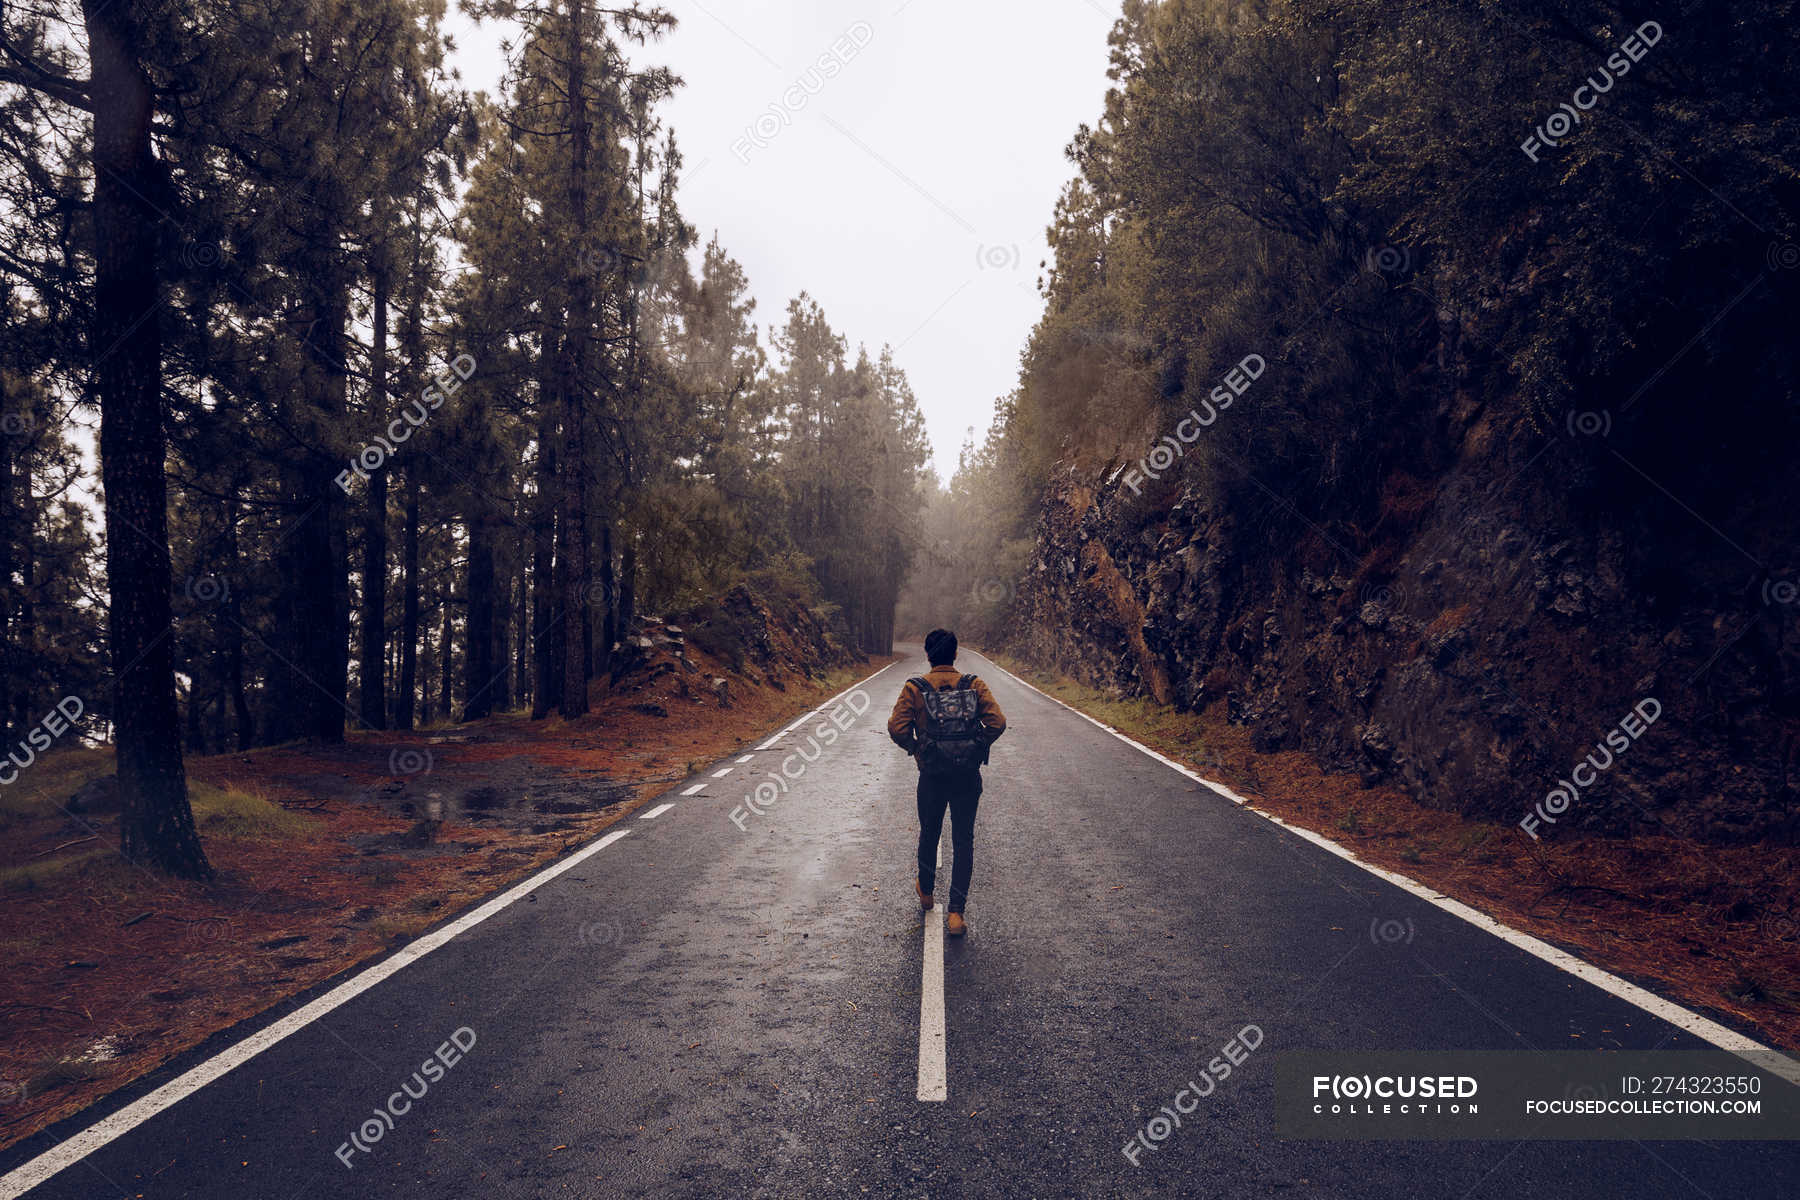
<point>946,720</point>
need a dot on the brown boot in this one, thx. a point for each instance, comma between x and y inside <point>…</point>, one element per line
<point>954,925</point>
<point>924,896</point>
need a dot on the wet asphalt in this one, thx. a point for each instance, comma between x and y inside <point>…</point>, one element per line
<point>710,1007</point>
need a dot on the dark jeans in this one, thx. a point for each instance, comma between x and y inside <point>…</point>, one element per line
<point>961,793</point>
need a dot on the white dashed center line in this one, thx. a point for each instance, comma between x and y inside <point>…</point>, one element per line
<point>722,774</point>
<point>658,811</point>
<point>745,759</point>
<point>934,1071</point>
<point>695,790</point>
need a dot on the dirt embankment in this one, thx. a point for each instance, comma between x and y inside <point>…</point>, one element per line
<point>327,855</point>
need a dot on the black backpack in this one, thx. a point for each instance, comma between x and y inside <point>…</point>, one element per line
<point>951,737</point>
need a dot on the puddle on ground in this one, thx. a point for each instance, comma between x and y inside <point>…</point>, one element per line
<point>479,799</point>
<point>501,793</point>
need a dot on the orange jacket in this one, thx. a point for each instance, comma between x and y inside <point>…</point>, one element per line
<point>911,706</point>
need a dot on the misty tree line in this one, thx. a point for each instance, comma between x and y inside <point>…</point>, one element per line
<point>1359,192</point>
<point>410,400</point>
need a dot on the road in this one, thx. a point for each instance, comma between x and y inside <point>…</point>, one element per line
<point>710,1006</point>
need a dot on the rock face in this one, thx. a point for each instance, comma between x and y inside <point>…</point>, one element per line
<point>765,637</point>
<point>1475,650</point>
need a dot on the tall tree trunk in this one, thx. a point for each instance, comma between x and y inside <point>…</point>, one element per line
<point>572,531</point>
<point>500,643</point>
<point>609,604</point>
<point>13,663</point>
<point>317,681</point>
<point>627,586</point>
<point>156,826</point>
<point>587,640</point>
<point>244,725</point>
<point>26,699</point>
<point>406,699</point>
<point>372,665</point>
<point>501,658</point>
<point>427,668</point>
<point>521,644</point>
<point>447,654</point>
<point>478,636</point>
<point>412,350</point>
<point>546,622</point>
<point>196,735</point>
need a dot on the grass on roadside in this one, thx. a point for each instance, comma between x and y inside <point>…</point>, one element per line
<point>219,812</point>
<point>50,781</point>
<point>229,812</point>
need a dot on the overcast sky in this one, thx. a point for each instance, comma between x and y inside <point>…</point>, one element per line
<point>908,193</point>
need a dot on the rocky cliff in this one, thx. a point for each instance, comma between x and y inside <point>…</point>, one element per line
<point>1494,646</point>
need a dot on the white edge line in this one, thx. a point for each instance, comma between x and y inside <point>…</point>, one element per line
<point>78,1146</point>
<point>768,745</point>
<point>1749,1049</point>
<point>722,774</point>
<point>745,759</point>
<point>810,714</point>
<point>656,812</point>
<point>693,791</point>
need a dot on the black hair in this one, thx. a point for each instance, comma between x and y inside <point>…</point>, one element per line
<point>940,647</point>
